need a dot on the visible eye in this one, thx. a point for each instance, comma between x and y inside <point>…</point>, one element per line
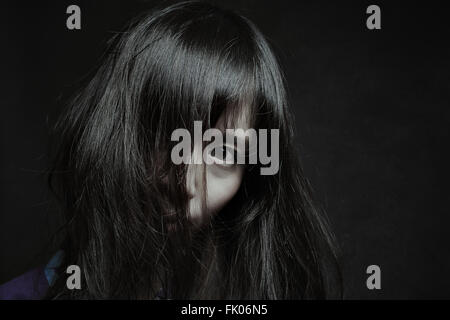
<point>224,155</point>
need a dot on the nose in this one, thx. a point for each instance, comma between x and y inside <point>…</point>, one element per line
<point>191,180</point>
<point>190,195</point>
<point>195,172</point>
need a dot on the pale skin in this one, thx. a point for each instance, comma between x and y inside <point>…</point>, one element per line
<point>222,180</point>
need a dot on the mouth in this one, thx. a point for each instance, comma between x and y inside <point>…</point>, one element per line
<point>170,217</point>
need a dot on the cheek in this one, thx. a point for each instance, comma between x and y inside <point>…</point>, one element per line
<point>221,186</point>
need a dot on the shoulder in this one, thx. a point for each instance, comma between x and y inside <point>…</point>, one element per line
<point>33,284</point>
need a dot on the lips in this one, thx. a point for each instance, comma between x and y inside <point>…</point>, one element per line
<point>170,218</point>
<point>171,222</point>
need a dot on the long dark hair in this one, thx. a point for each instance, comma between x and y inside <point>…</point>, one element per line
<point>116,183</point>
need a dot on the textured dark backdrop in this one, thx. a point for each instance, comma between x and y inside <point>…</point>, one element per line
<point>371,109</point>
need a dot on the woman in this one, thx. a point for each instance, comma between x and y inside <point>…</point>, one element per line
<point>140,226</point>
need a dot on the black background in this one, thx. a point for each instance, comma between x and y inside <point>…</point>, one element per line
<point>371,109</point>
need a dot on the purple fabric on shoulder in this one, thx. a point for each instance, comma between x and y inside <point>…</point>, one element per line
<point>29,286</point>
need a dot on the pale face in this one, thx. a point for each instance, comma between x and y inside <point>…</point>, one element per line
<point>222,181</point>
